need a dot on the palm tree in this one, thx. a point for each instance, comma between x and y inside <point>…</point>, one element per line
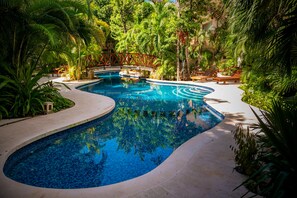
<point>266,33</point>
<point>270,28</point>
<point>177,45</point>
<point>159,17</point>
<point>28,29</point>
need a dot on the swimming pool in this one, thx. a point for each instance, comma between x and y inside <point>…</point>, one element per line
<point>149,122</point>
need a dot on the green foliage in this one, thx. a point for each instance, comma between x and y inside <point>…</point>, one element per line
<point>32,37</point>
<point>265,37</point>
<point>122,16</point>
<point>262,87</point>
<point>269,30</point>
<point>150,32</point>
<point>153,27</point>
<point>21,95</point>
<point>227,65</point>
<point>276,142</point>
<point>205,61</point>
<point>257,94</point>
<point>258,99</point>
<point>285,85</point>
<point>246,150</point>
<point>165,72</point>
<point>102,10</point>
<point>59,101</point>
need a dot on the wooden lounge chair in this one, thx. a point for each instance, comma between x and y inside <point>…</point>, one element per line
<point>235,78</point>
<point>204,76</point>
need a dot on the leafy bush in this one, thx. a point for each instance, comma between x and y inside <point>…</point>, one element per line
<point>276,144</point>
<point>261,88</point>
<point>227,66</point>
<point>165,72</point>
<point>246,150</point>
<point>61,103</point>
<point>260,99</point>
<point>22,95</point>
<point>258,89</point>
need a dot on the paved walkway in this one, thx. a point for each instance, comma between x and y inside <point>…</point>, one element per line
<point>201,167</point>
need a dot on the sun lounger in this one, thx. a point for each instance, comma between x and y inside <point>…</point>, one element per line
<point>207,75</point>
<point>234,78</point>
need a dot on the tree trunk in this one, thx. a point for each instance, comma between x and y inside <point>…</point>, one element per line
<point>177,59</point>
<point>177,45</point>
<point>187,77</point>
<point>78,67</point>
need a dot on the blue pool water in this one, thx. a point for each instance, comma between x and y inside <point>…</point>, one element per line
<point>149,122</point>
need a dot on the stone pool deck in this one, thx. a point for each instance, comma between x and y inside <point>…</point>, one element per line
<point>201,167</point>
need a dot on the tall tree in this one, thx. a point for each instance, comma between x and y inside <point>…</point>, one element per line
<point>103,10</point>
<point>190,15</point>
<point>122,18</point>
<point>178,44</point>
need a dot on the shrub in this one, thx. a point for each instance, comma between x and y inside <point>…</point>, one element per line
<point>22,95</point>
<point>276,144</point>
<point>245,151</point>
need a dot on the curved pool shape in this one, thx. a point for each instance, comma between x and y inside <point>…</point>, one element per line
<point>149,122</point>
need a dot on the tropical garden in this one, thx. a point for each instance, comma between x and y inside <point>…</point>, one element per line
<point>186,36</point>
